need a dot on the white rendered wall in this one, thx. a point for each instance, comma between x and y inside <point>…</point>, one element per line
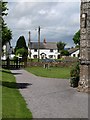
<point>46,51</point>
<point>76,53</point>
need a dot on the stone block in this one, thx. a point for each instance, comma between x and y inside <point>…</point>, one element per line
<point>83,31</point>
<point>83,24</point>
<point>83,43</point>
<point>88,30</point>
<point>88,23</point>
<point>88,43</point>
<point>83,37</point>
<point>85,53</point>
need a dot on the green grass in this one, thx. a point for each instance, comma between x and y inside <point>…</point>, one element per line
<point>13,104</point>
<point>52,72</point>
<point>0,98</point>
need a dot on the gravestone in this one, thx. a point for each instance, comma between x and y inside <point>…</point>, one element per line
<point>84,47</point>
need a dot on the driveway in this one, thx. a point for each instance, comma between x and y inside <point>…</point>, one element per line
<point>51,97</point>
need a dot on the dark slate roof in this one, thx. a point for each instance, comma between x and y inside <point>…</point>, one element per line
<point>34,45</point>
<point>72,50</point>
<point>48,45</point>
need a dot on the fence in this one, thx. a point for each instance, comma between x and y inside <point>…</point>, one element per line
<point>12,64</point>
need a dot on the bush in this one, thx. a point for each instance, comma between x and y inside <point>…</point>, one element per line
<point>65,53</point>
<point>75,74</point>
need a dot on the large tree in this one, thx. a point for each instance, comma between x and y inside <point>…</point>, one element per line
<point>21,43</point>
<point>76,38</point>
<point>6,33</point>
<point>21,47</point>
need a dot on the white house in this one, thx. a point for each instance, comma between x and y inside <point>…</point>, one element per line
<point>46,50</point>
<point>74,52</point>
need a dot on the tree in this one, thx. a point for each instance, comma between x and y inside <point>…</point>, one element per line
<point>21,43</point>
<point>21,47</point>
<point>60,46</point>
<point>22,52</point>
<point>5,31</point>
<point>3,8</point>
<point>76,38</point>
<point>6,34</point>
<point>64,52</point>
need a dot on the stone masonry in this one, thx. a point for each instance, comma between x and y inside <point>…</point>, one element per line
<point>84,47</point>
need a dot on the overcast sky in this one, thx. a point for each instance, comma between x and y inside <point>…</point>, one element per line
<point>58,20</point>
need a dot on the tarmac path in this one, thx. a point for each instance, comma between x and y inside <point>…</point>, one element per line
<point>51,97</point>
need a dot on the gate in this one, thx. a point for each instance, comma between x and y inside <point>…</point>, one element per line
<point>13,64</point>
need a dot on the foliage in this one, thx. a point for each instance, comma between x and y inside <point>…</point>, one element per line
<point>21,43</point>
<point>75,71</point>
<point>21,48</point>
<point>6,32</point>
<point>13,104</point>
<point>76,38</point>
<point>22,52</point>
<point>61,45</point>
<point>3,7</point>
<point>64,52</point>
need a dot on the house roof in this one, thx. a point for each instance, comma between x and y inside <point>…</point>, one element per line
<point>47,45</point>
<point>72,50</point>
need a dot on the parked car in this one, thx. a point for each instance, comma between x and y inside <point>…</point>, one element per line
<point>49,60</point>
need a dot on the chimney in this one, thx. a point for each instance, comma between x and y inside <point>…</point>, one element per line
<point>44,41</point>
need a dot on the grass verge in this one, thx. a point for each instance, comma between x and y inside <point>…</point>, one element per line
<point>13,104</point>
<point>52,72</point>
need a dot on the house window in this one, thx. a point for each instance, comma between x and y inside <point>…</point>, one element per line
<point>51,50</point>
<point>35,50</point>
<point>35,56</point>
<point>74,55</point>
<point>78,55</point>
<point>50,56</point>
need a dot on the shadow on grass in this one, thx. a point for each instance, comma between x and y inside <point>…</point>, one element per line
<point>15,85</point>
<point>4,71</point>
<point>19,119</point>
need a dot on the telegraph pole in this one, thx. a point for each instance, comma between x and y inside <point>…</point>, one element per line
<point>29,41</point>
<point>38,43</point>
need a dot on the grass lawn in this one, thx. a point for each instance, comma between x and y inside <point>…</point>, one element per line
<point>52,72</point>
<point>13,104</point>
<point>0,97</point>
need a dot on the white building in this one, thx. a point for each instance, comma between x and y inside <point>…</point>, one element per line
<point>46,50</point>
<point>74,52</point>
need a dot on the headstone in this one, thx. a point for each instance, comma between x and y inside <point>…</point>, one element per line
<point>84,83</point>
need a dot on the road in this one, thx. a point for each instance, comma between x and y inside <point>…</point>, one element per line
<point>51,97</point>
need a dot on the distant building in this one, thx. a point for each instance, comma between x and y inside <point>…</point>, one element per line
<point>74,52</point>
<point>7,51</point>
<point>46,50</point>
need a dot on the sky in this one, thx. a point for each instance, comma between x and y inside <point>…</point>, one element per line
<point>58,20</point>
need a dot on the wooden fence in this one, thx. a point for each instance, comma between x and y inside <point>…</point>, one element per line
<point>12,64</point>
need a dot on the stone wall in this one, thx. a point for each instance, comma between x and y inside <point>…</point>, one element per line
<point>84,47</point>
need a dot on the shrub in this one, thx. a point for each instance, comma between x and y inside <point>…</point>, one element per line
<point>75,73</point>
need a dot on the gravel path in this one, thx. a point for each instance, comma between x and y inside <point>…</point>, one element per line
<point>50,97</point>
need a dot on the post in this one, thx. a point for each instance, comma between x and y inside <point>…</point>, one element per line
<point>84,47</point>
<point>38,43</point>
<point>29,47</point>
